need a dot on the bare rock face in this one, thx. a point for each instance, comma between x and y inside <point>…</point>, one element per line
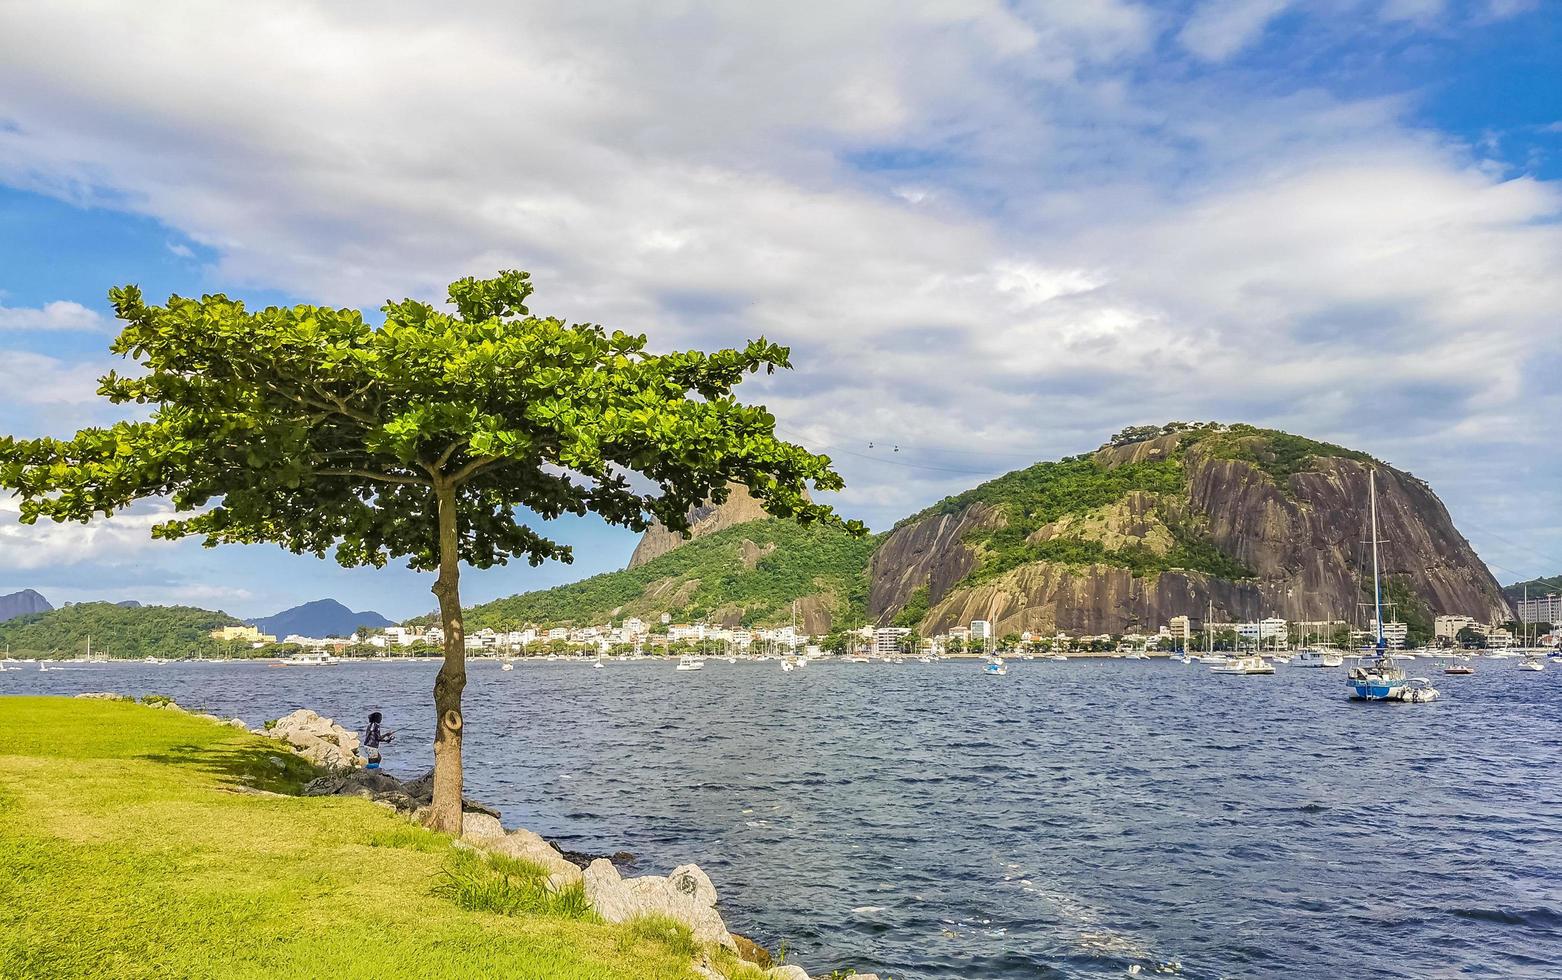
<point>1304,542</point>
<point>930,552</point>
<point>739,508</point>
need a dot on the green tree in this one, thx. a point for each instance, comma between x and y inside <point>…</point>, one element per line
<point>420,439</point>
<point>1470,637</point>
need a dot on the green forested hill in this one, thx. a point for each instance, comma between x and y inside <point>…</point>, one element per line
<point>750,573</point>
<point>116,631</point>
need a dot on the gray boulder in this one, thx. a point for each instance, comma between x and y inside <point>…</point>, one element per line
<point>320,740</point>
<point>788,972</point>
<point>104,696</point>
<point>686,895</point>
<point>477,828</point>
<point>368,783</point>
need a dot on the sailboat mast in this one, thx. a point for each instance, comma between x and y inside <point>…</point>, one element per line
<point>1377,581</point>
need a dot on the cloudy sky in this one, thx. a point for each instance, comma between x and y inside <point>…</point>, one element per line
<point>991,232</point>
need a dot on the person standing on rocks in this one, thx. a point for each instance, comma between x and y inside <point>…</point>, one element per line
<point>373,738</point>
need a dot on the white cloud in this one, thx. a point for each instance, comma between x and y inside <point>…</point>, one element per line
<point>58,315</point>
<point>47,545</point>
<point>33,379</point>
<point>1221,28</point>
<point>988,228</point>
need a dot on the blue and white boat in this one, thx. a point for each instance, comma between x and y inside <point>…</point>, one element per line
<point>995,666</point>
<point>1376,677</point>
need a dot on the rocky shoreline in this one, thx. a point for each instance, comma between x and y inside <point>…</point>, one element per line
<point>685,895</point>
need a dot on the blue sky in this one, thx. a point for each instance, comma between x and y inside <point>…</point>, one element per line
<point>992,232</point>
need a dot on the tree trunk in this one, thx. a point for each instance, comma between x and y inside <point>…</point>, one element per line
<point>445,812</point>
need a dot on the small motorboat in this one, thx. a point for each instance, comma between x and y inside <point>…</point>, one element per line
<point>507,666</point>
<point>690,663</point>
<point>787,666</point>
<point>1532,663</point>
<point>1317,658</point>
<point>1459,668</point>
<point>1244,665</point>
<point>1418,690</point>
<point>995,667</point>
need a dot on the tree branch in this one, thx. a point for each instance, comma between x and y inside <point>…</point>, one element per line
<point>470,469</point>
<point>372,475</point>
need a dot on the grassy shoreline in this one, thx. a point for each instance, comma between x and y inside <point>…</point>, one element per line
<point>136,842</point>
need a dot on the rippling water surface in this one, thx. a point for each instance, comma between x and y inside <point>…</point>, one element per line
<point>1068,820</point>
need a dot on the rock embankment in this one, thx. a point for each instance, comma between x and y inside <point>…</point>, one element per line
<point>319,740</point>
<point>686,895</point>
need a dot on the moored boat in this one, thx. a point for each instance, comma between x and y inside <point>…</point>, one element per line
<point>1244,665</point>
<point>1376,677</point>
<point>1312,657</point>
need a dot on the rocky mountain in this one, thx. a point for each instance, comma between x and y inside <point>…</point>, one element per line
<point>740,507</point>
<point>321,618</point>
<point>22,603</point>
<point>1255,521</point>
<point>1161,521</point>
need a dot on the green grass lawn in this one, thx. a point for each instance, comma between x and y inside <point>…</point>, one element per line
<point>130,848</point>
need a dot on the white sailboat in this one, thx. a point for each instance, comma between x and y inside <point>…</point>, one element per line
<point>1376,677</point>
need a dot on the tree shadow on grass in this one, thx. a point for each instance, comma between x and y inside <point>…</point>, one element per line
<point>242,766</point>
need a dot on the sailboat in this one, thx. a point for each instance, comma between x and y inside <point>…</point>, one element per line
<point>1532,659</point>
<point>1376,677</point>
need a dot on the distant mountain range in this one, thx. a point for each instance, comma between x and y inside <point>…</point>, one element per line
<point>22,603</point>
<point>321,618</point>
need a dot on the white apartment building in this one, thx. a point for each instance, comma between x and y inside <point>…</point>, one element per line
<point>1393,634</point>
<point>886,640</point>
<point>981,630</point>
<point>1540,609</point>
<point>1265,632</point>
<point>685,631</point>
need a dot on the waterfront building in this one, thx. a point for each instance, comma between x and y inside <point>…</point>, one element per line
<point>886,640</point>
<point>1393,634</point>
<point>1448,627</point>
<point>981,630</point>
<point>1540,609</point>
<point>242,634</point>
<point>1184,628</point>
<point>1265,632</point>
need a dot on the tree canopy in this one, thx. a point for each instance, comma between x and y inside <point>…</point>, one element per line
<point>313,428</point>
